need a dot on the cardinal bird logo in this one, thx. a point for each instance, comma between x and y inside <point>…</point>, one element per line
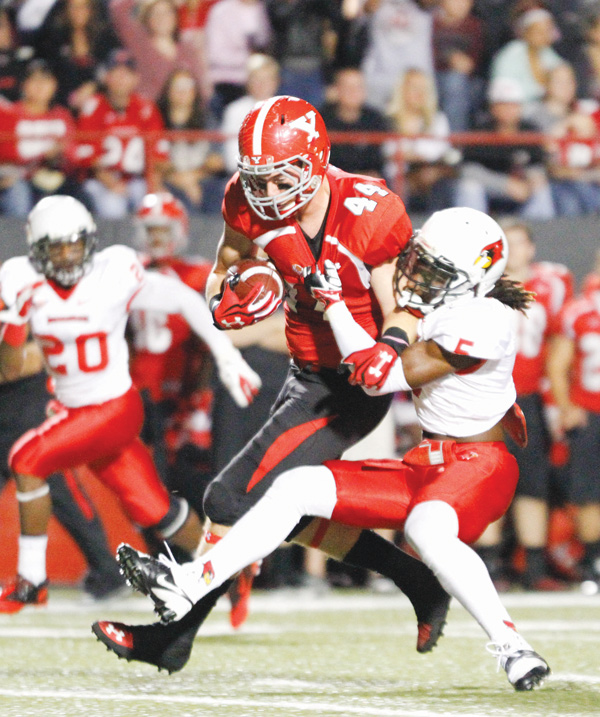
<point>490,254</point>
<point>208,574</point>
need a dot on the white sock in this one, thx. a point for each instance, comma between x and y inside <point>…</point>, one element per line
<point>32,558</point>
<point>432,530</point>
<point>308,490</point>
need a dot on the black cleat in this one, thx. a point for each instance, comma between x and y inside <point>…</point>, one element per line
<point>168,647</point>
<point>432,621</point>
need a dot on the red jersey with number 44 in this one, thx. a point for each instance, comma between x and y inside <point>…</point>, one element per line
<point>366,226</point>
<point>122,146</point>
<point>581,323</point>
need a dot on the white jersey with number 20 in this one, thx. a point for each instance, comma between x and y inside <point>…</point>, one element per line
<point>82,331</point>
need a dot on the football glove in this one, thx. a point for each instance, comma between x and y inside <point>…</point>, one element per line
<point>231,312</point>
<point>370,367</point>
<point>326,286</point>
<point>242,382</point>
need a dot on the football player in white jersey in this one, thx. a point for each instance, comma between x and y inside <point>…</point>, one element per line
<point>446,490</point>
<point>76,302</point>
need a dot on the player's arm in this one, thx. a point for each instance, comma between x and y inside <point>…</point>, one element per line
<point>561,353</point>
<point>228,310</point>
<point>232,247</point>
<point>168,294</point>
<point>382,281</point>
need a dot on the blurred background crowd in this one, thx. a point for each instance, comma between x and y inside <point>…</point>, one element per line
<point>490,104</point>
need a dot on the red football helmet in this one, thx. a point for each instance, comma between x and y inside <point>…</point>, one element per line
<point>285,136</point>
<point>162,225</point>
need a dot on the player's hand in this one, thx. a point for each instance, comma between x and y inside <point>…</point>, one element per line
<point>53,407</point>
<point>242,382</point>
<point>324,286</point>
<point>370,367</point>
<point>18,313</point>
<point>231,312</point>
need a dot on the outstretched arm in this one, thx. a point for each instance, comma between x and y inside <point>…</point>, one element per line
<point>170,295</point>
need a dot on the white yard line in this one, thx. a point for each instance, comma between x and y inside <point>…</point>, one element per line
<point>320,708</point>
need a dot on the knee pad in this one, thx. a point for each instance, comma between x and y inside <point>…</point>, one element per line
<point>221,505</point>
<point>175,517</point>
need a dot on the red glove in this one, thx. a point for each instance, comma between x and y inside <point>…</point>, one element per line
<point>15,333</point>
<point>370,367</point>
<point>231,312</point>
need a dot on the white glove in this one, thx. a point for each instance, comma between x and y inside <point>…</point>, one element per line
<point>242,382</point>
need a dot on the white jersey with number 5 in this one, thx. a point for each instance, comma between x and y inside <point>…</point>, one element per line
<point>469,402</point>
<point>82,330</point>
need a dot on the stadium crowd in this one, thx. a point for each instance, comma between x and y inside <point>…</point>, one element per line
<point>108,100</point>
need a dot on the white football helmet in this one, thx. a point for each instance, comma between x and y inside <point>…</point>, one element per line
<point>60,219</point>
<point>161,225</point>
<point>459,252</point>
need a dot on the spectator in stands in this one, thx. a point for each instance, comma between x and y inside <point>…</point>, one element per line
<point>234,30</point>
<point>457,52</point>
<point>40,158</point>
<point>353,32</point>
<point>13,58</point>
<point>572,369</point>
<point>573,166</point>
<point>305,37</point>
<point>193,163</point>
<point>263,82</point>
<point>191,17</point>
<point>509,178</point>
<point>589,78</point>
<point>75,40</point>
<point>400,38</point>
<point>150,32</point>
<point>529,58</point>
<point>350,113</point>
<point>116,161</point>
<point>423,168</point>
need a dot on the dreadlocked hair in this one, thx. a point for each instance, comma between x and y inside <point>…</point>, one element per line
<point>512,293</point>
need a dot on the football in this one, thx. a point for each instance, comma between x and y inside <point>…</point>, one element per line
<point>247,273</point>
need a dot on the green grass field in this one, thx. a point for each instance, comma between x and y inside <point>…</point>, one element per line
<point>344,654</point>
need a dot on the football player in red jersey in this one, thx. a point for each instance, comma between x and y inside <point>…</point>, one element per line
<point>77,301</point>
<point>115,154</point>
<point>288,204</point>
<point>573,368</point>
<point>552,285</point>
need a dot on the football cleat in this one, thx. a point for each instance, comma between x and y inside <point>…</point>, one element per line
<point>20,592</point>
<point>524,668</point>
<point>146,643</point>
<point>172,590</point>
<point>167,647</point>
<point>239,595</point>
<point>432,620</point>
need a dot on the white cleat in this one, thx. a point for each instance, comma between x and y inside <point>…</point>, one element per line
<point>524,668</point>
